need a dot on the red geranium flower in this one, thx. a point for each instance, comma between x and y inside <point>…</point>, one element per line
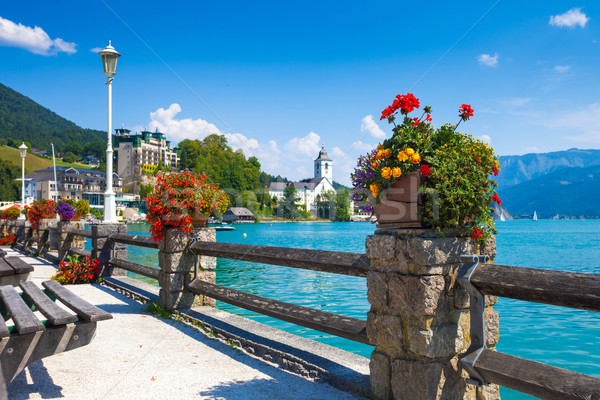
<point>465,111</point>
<point>428,118</point>
<point>416,121</point>
<point>425,170</point>
<point>476,233</point>
<point>496,198</point>
<point>495,169</point>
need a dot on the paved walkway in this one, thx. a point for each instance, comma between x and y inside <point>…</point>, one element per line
<point>139,356</point>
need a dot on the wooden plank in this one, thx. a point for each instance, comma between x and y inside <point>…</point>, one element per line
<point>316,260</point>
<point>135,267</point>
<point>5,268</point>
<point>49,309</point>
<point>3,329</point>
<point>24,319</point>
<point>80,252</point>
<point>560,288</point>
<point>536,379</point>
<point>20,266</point>
<point>338,325</point>
<point>81,232</point>
<point>134,240</point>
<point>85,310</point>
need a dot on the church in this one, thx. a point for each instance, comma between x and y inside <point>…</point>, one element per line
<point>307,192</point>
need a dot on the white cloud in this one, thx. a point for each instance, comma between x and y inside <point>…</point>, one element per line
<point>35,40</point>
<point>367,124</point>
<point>562,69</point>
<point>96,50</point>
<point>583,123</point>
<point>485,138</point>
<point>570,19</point>
<point>179,129</point>
<point>307,146</point>
<point>488,60</point>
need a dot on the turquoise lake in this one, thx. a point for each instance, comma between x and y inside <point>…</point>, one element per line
<point>563,337</point>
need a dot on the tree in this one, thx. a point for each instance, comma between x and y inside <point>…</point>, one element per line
<point>145,189</point>
<point>342,206</point>
<point>326,204</point>
<point>287,206</point>
<point>70,157</point>
<point>10,189</point>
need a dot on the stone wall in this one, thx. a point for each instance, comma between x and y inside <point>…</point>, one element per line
<point>419,317</point>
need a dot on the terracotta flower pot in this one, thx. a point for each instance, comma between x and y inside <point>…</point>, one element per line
<point>199,220</point>
<point>401,203</point>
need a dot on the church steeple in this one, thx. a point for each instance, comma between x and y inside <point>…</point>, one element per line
<point>323,165</point>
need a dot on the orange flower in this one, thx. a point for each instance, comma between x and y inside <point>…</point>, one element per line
<point>374,189</point>
<point>387,153</point>
<point>386,172</point>
<point>380,155</point>
<point>402,156</point>
<point>396,172</point>
<point>409,152</point>
<point>375,164</point>
<point>379,147</point>
<point>415,158</point>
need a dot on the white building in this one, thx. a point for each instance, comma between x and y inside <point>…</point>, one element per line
<point>307,192</point>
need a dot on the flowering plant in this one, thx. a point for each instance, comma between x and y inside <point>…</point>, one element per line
<point>456,167</point>
<point>77,270</point>
<point>65,208</point>
<point>40,209</point>
<point>7,238</point>
<point>177,196</point>
<point>11,212</point>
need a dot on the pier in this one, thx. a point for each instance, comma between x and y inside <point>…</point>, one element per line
<point>432,320</point>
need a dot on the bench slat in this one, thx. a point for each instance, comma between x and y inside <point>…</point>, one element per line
<point>85,310</point>
<point>24,319</point>
<point>5,269</point>
<point>49,309</point>
<point>20,266</point>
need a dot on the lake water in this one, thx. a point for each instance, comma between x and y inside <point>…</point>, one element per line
<point>563,337</point>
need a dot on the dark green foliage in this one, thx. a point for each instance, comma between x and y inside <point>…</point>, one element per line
<point>22,119</point>
<point>70,157</point>
<point>10,189</point>
<point>334,205</point>
<point>287,207</point>
<point>145,189</point>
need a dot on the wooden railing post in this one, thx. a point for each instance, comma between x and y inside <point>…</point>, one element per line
<point>419,318</point>
<point>177,264</point>
<point>65,240</point>
<point>104,249</point>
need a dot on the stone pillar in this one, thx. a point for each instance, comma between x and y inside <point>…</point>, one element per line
<point>103,249</point>
<point>419,318</point>
<point>177,265</point>
<point>47,239</point>
<point>66,241</point>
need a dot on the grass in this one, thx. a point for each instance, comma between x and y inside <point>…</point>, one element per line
<point>33,162</point>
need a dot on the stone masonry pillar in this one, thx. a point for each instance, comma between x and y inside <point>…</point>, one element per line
<point>419,318</point>
<point>177,265</point>
<point>103,249</point>
<point>47,240</point>
<point>66,241</point>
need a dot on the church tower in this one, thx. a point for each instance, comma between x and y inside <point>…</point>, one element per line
<point>323,167</point>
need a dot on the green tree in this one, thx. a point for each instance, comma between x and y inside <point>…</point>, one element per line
<point>70,157</point>
<point>10,189</point>
<point>342,206</point>
<point>287,207</point>
<point>145,190</point>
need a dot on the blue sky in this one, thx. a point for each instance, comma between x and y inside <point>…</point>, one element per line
<point>279,78</point>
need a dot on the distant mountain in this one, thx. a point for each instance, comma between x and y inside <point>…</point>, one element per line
<point>518,169</point>
<point>568,191</point>
<point>22,119</point>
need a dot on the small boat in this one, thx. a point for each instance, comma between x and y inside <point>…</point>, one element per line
<point>535,215</point>
<point>502,218</point>
<point>224,227</point>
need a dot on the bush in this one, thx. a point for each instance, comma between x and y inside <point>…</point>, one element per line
<point>7,238</point>
<point>77,271</point>
<point>12,212</point>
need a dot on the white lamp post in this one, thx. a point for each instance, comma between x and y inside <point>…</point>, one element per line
<point>109,61</point>
<point>23,151</point>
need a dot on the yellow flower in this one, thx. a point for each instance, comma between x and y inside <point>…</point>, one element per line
<point>387,153</point>
<point>379,147</point>
<point>396,172</point>
<point>409,152</point>
<point>386,172</point>
<point>402,156</point>
<point>380,155</point>
<point>373,159</point>
<point>375,164</point>
<point>374,189</point>
<point>415,158</point>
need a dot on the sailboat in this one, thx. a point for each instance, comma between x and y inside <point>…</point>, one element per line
<point>535,215</point>
<point>502,216</point>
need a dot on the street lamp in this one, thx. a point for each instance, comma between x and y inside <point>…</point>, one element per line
<point>23,151</point>
<point>109,61</point>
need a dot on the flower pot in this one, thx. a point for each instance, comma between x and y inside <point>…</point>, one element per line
<point>198,220</point>
<point>401,203</point>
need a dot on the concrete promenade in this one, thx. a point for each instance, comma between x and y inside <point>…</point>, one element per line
<point>139,356</point>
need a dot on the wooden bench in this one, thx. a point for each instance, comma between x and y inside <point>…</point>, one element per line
<point>14,270</point>
<point>25,339</point>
